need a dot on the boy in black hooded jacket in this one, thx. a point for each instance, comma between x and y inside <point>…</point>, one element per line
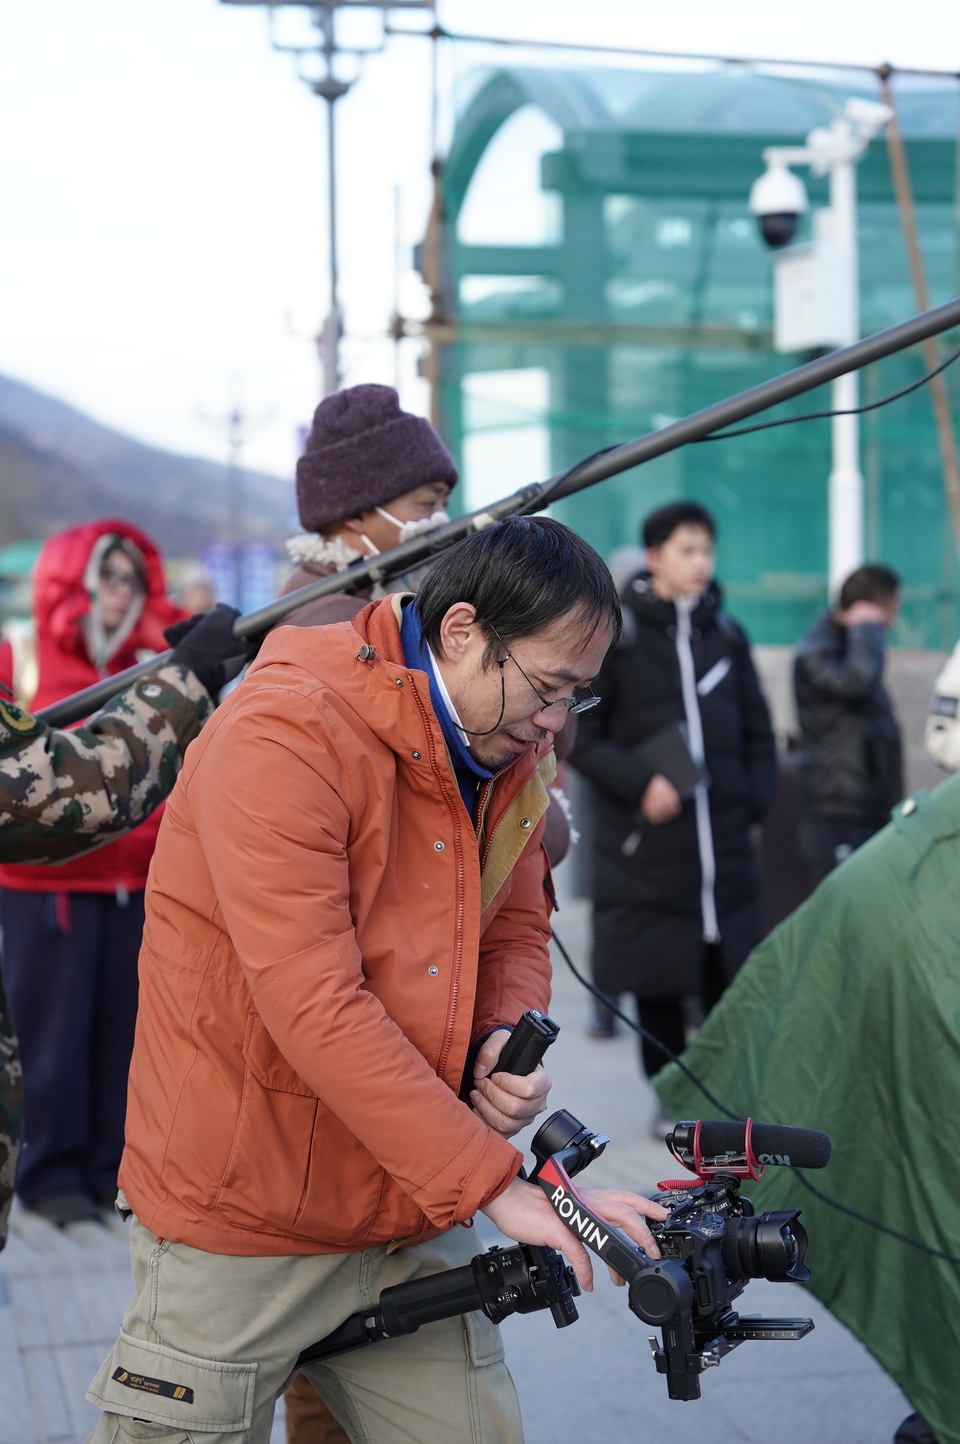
<point>676,897</point>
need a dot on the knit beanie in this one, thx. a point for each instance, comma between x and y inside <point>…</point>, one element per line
<point>362,452</point>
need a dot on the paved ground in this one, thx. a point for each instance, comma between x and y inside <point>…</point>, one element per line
<point>62,1295</point>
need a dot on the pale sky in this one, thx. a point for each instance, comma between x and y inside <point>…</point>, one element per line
<point>162,241</point>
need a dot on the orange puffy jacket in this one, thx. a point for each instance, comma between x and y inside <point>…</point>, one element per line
<point>324,940</point>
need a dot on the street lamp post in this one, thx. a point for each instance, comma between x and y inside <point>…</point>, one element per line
<point>817,294</point>
<point>328,342</point>
<point>330,87</point>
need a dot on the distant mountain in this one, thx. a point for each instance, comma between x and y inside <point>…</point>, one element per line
<point>59,467</point>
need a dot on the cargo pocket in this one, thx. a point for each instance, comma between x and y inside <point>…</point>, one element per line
<point>156,1385</point>
<point>484,1340</point>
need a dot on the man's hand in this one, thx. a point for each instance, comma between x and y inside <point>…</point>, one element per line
<point>522,1212</point>
<point>205,643</point>
<point>860,612</point>
<point>506,1102</point>
<point>661,801</point>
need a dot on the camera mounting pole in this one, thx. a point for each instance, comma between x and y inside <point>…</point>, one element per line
<point>826,274</point>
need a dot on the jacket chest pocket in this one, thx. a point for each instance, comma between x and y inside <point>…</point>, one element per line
<point>711,679</point>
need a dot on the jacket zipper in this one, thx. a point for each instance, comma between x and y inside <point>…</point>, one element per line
<point>447,1039</point>
<point>489,841</point>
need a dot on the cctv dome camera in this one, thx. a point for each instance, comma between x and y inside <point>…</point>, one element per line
<point>779,228</point>
<point>778,199</point>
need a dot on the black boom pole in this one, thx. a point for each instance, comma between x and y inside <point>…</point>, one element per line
<point>598,467</point>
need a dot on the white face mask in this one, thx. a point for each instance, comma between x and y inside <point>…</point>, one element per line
<point>410,529</point>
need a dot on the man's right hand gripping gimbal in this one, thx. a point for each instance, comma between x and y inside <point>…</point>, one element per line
<point>706,1243</point>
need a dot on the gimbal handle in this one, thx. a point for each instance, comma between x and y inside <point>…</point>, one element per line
<point>498,1283</point>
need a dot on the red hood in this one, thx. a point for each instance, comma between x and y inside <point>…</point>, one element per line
<point>60,600</point>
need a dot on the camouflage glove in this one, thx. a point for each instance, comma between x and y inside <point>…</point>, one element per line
<point>205,643</point>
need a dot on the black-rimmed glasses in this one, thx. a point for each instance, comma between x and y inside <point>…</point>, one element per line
<point>574,704</point>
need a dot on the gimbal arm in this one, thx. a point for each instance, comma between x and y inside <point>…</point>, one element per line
<point>661,1292</point>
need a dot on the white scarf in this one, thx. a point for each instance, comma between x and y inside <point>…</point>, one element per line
<point>309,547</point>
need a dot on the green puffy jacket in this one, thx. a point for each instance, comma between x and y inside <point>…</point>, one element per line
<point>847,1018</point>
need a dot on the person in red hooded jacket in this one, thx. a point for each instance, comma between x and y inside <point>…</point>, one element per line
<point>71,933</point>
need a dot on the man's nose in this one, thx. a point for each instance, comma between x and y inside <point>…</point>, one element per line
<point>557,712</point>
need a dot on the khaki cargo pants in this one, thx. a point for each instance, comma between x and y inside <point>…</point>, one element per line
<point>209,1341</point>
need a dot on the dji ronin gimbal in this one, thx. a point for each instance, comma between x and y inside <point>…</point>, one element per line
<point>711,1243</point>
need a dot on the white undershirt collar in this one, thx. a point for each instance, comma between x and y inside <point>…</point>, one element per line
<point>447,702</point>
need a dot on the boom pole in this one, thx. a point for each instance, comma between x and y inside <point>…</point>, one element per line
<point>530,499</point>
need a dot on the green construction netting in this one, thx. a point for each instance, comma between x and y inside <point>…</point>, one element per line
<point>647,293</point>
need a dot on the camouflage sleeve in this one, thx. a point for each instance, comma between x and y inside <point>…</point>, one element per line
<point>64,793</point>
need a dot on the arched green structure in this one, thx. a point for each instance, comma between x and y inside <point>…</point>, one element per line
<point>658,300</point>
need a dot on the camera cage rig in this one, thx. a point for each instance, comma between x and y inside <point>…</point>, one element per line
<point>711,1245</point>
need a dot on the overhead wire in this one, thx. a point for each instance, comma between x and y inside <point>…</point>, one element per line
<point>824,415</point>
<point>642,52</point>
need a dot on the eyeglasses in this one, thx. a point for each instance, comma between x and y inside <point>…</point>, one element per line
<point>115,580</point>
<point>573,704</point>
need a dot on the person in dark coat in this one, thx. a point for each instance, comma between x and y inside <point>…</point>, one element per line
<point>676,895</point>
<point>852,767</point>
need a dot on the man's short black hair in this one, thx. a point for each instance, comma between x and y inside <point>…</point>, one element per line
<point>521,574</point>
<point>871,583</point>
<point>661,524</point>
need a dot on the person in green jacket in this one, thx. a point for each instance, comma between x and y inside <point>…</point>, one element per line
<point>847,1019</point>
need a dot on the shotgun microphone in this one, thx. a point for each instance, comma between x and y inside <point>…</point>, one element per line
<point>771,1143</point>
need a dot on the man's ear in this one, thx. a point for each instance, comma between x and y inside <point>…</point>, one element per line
<point>457,631</point>
<point>358,524</point>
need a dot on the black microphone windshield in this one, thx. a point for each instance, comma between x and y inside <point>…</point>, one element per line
<point>772,1143</point>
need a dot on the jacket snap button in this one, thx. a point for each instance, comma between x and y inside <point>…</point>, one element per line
<point>438,847</point>
<point>909,806</point>
<point>433,972</point>
<point>151,690</point>
<point>526,822</point>
<point>399,681</point>
<point>366,653</point>
<point>416,756</point>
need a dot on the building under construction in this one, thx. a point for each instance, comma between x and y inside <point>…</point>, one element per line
<point>630,286</point>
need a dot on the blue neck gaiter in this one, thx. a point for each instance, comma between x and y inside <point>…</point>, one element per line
<point>466,769</point>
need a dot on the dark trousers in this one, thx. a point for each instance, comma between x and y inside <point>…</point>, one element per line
<point>70,964</point>
<point>663,1017</point>
<point>827,841</point>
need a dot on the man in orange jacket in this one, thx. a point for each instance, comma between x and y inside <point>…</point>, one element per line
<point>346,915</point>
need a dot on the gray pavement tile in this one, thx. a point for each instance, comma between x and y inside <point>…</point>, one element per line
<point>54,1418</point>
<point>16,1412</point>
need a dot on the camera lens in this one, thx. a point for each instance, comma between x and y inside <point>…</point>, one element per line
<point>771,1246</point>
<point>779,229</point>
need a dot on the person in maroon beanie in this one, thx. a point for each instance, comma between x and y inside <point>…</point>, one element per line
<point>370,477</point>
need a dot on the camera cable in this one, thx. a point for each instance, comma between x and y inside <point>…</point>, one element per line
<point>823,415</point>
<point>735,1117</point>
